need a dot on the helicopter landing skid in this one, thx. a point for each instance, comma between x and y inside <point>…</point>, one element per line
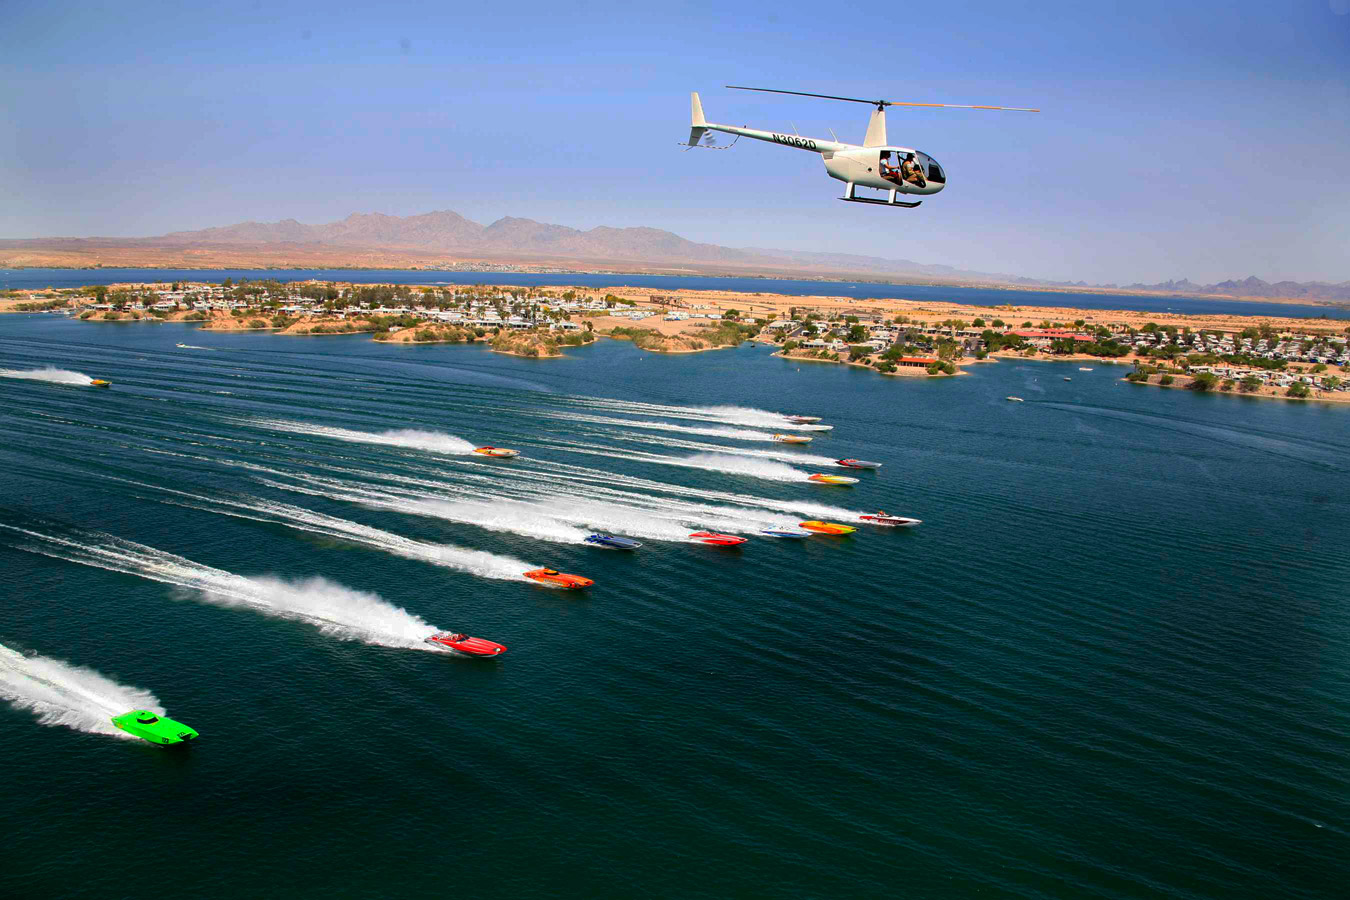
<point>881,202</point>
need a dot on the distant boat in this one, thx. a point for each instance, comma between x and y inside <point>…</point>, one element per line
<point>1067,378</point>
<point>1084,369</point>
<point>791,439</point>
<point>1015,399</point>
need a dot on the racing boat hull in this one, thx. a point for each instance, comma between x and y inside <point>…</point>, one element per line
<point>819,478</point>
<point>465,645</point>
<point>828,527</point>
<point>554,578</point>
<point>610,542</point>
<point>796,533</point>
<point>891,521</point>
<point>713,539</point>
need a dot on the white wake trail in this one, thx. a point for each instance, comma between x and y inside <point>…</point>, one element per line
<point>472,562</point>
<point>333,609</point>
<point>732,415</point>
<point>60,693</point>
<point>49,374</point>
<point>407,438</point>
<point>735,434</point>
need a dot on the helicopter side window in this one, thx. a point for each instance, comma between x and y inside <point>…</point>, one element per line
<point>935,173</point>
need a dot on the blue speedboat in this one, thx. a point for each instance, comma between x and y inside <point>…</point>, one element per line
<point>612,542</point>
<point>786,531</point>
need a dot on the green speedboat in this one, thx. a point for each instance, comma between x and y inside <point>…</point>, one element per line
<point>156,729</point>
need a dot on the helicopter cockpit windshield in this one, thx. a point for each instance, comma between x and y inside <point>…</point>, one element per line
<point>931,166</point>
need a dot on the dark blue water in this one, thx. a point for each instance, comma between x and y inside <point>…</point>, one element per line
<point>1114,661</point>
<point>961,296</point>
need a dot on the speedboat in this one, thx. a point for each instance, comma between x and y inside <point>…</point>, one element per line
<point>1015,399</point>
<point>99,382</point>
<point>857,464</point>
<point>1067,378</point>
<point>157,729</point>
<point>1084,369</point>
<point>802,420</point>
<point>818,478</point>
<point>181,344</point>
<point>614,543</point>
<point>828,527</point>
<point>791,439</point>
<point>497,452</point>
<point>881,518</point>
<point>462,643</point>
<point>558,579</point>
<point>717,540</point>
<point>785,531</point>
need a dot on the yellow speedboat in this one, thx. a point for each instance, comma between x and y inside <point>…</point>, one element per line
<point>827,527</point>
<point>791,439</point>
<point>99,382</point>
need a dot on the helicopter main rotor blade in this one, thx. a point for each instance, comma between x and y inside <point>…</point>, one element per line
<point>960,106</point>
<point>737,87</point>
<point>881,103</point>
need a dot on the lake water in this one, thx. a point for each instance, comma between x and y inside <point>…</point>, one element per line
<point>1113,661</point>
<point>960,296</point>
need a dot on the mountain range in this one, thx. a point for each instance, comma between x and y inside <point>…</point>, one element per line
<point>445,237</point>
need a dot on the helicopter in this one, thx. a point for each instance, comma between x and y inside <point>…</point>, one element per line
<point>874,164</point>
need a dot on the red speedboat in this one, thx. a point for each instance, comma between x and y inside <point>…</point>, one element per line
<point>717,540</point>
<point>558,579</point>
<point>469,646</point>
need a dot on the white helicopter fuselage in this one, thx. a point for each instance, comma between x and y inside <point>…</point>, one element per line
<point>872,164</point>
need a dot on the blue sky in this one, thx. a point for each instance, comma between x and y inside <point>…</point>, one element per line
<point>1207,140</point>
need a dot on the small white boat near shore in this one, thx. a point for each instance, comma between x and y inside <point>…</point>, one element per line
<point>1015,399</point>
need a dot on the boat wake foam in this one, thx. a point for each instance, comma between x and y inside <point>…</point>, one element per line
<point>51,375</point>
<point>59,693</point>
<point>407,438</point>
<point>333,609</point>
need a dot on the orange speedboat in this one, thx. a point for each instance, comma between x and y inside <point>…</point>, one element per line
<point>828,527</point>
<point>820,478</point>
<point>497,452</point>
<point>554,578</point>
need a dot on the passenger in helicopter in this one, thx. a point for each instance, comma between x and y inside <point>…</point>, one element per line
<point>888,171</point>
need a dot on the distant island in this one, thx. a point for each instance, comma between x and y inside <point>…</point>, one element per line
<point>444,240</point>
<point>1261,356</point>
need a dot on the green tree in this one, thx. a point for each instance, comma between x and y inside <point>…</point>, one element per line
<point>997,323</point>
<point>1249,384</point>
<point>1203,381</point>
<point>977,323</point>
<point>1331,382</point>
<point>1166,379</point>
<point>1298,390</point>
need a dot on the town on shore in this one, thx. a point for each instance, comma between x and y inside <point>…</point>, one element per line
<point>1261,356</point>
